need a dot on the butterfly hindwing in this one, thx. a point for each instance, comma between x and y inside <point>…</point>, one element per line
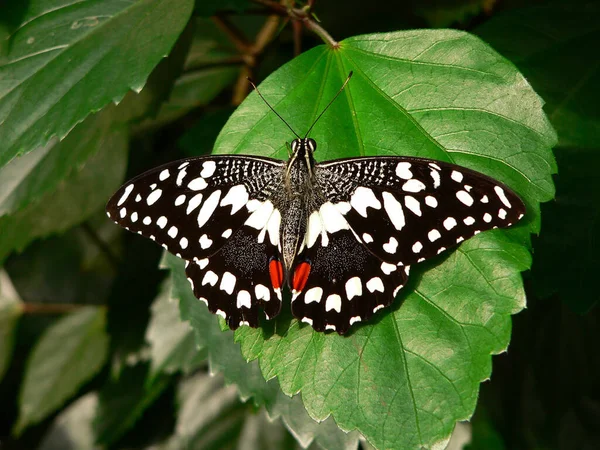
<point>235,282</point>
<point>193,206</point>
<point>406,210</point>
<point>337,281</point>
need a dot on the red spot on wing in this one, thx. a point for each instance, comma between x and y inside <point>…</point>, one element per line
<point>301,276</point>
<point>276,273</point>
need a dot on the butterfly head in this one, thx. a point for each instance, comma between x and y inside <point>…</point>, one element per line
<point>302,146</point>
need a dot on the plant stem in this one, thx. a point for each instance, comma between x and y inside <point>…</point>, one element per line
<point>301,15</point>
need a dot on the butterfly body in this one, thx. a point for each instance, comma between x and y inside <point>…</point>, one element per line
<point>341,234</point>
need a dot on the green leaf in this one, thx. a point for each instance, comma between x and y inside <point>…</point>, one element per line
<point>439,94</point>
<point>123,401</point>
<point>67,60</point>
<point>72,428</point>
<point>225,358</point>
<point>550,44</point>
<point>78,195</point>
<point>172,343</point>
<point>11,308</point>
<point>67,355</point>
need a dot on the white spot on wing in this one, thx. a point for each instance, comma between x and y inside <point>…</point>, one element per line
<point>387,268</point>
<point>502,196</point>
<point>362,199</point>
<point>449,223</point>
<point>153,197</point>
<point>353,288</point>
<point>413,185</point>
<point>208,208</point>
<point>431,201</point>
<point>228,282</point>
<point>417,247</point>
<point>193,203</point>
<point>332,218</point>
<point>391,246</point>
<point>403,170</point>
<point>162,222</point>
<point>456,176</point>
<point>164,175</point>
<point>354,319</point>
<point>464,197</point>
<point>313,295</point>
<point>205,241</point>
<point>273,227</point>
<point>197,184</point>
<point>469,220</point>
<point>183,243</point>
<point>173,231</point>
<point>126,193</point>
<point>394,210</point>
<point>237,197</point>
<point>375,284</point>
<point>307,320</point>
<point>243,299</point>
<point>435,176</point>
<point>134,216</point>
<point>208,168</point>
<point>333,301</point>
<point>210,278</point>
<point>413,204</point>
<point>314,229</point>
<point>259,218</point>
<point>487,217</point>
<point>367,238</point>
<point>147,220</point>
<point>227,233</point>
<point>180,200</point>
<point>434,235</point>
<point>502,213</point>
<point>262,292</point>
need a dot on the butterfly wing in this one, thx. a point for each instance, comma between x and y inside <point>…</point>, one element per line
<point>406,210</point>
<point>213,212</point>
<point>401,211</point>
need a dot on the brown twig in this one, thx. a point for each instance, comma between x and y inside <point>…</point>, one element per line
<point>302,15</point>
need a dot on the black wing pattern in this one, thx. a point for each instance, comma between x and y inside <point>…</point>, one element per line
<point>401,211</point>
<point>204,210</point>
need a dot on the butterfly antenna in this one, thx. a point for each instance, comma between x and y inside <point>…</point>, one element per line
<point>272,109</point>
<point>329,104</point>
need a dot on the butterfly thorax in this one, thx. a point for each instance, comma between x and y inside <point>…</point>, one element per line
<point>297,197</point>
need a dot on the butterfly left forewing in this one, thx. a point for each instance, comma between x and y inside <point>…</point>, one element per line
<point>191,207</point>
<point>406,210</point>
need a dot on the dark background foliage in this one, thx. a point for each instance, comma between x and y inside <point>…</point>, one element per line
<point>91,349</point>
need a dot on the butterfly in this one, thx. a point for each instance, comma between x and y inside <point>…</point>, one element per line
<point>341,235</point>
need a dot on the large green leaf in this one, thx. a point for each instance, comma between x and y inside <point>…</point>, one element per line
<point>67,59</point>
<point>11,308</point>
<point>58,205</point>
<point>225,357</point>
<point>67,355</point>
<point>550,43</point>
<point>438,94</point>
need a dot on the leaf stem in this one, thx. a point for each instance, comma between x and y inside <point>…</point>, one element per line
<point>302,15</point>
